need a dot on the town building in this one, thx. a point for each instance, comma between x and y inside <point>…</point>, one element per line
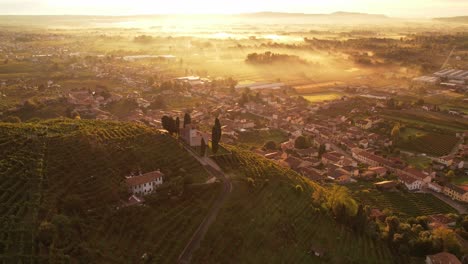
<point>192,136</point>
<point>145,183</point>
<point>379,171</point>
<point>371,159</point>
<point>435,187</point>
<point>455,192</point>
<point>442,258</point>
<point>410,182</point>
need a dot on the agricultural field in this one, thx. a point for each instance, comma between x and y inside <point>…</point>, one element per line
<point>162,228</point>
<point>321,97</point>
<point>69,174</point>
<point>21,178</point>
<point>430,143</point>
<point>316,87</point>
<point>418,162</point>
<point>449,100</point>
<point>430,121</point>
<point>460,180</point>
<point>267,220</point>
<point>259,137</point>
<point>404,203</point>
<point>409,132</point>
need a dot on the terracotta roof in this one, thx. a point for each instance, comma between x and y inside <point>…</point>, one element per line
<point>416,173</point>
<point>312,174</point>
<point>145,178</point>
<point>332,156</point>
<point>407,179</point>
<point>444,258</point>
<point>456,188</point>
<point>378,169</point>
<point>378,159</point>
<point>440,218</point>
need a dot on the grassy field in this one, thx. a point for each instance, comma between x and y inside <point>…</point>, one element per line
<point>259,137</point>
<point>267,221</point>
<point>424,120</point>
<point>316,87</point>
<point>419,162</point>
<point>71,174</point>
<point>411,132</point>
<point>460,180</point>
<point>320,97</point>
<point>400,202</point>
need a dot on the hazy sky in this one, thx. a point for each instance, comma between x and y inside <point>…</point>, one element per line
<point>397,8</point>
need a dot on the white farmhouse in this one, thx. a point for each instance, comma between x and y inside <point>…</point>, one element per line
<point>410,182</point>
<point>144,184</point>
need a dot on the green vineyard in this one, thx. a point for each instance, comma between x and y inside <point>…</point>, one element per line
<point>404,203</point>
<point>270,218</point>
<point>62,182</point>
<point>432,144</point>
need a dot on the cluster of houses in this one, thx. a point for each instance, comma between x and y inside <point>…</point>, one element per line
<point>348,143</point>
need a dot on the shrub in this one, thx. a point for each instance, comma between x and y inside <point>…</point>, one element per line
<point>299,189</point>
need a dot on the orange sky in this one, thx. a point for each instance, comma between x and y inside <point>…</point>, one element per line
<point>396,8</point>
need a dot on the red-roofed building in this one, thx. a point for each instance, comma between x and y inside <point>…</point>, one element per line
<point>144,184</point>
<point>442,258</point>
<point>331,157</point>
<point>372,159</point>
<point>412,183</point>
<point>379,171</point>
<point>440,220</point>
<point>415,173</point>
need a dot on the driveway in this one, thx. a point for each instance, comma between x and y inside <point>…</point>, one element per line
<point>194,243</point>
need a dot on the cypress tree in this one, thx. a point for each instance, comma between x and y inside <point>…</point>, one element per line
<point>216,136</point>
<point>177,126</point>
<point>187,119</point>
<point>203,147</point>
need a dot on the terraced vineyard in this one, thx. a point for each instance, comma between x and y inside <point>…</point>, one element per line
<point>270,218</point>
<point>70,174</point>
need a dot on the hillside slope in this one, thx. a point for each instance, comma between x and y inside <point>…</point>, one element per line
<point>271,218</point>
<point>61,185</point>
<point>61,181</point>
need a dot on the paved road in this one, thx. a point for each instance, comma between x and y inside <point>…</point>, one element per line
<point>194,243</point>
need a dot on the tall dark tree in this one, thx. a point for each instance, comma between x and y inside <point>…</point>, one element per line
<point>301,142</point>
<point>177,126</point>
<point>187,119</point>
<point>216,136</point>
<point>203,147</point>
<point>322,150</point>
<point>169,124</point>
<point>165,122</point>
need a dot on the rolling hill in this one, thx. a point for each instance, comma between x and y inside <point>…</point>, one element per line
<point>61,185</point>
<point>62,180</point>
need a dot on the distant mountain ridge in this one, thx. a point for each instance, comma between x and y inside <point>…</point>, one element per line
<point>335,14</point>
<point>457,19</point>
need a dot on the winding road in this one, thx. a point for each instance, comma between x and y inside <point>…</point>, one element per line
<point>194,243</point>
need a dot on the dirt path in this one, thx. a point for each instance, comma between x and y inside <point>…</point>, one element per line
<point>194,242</point>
